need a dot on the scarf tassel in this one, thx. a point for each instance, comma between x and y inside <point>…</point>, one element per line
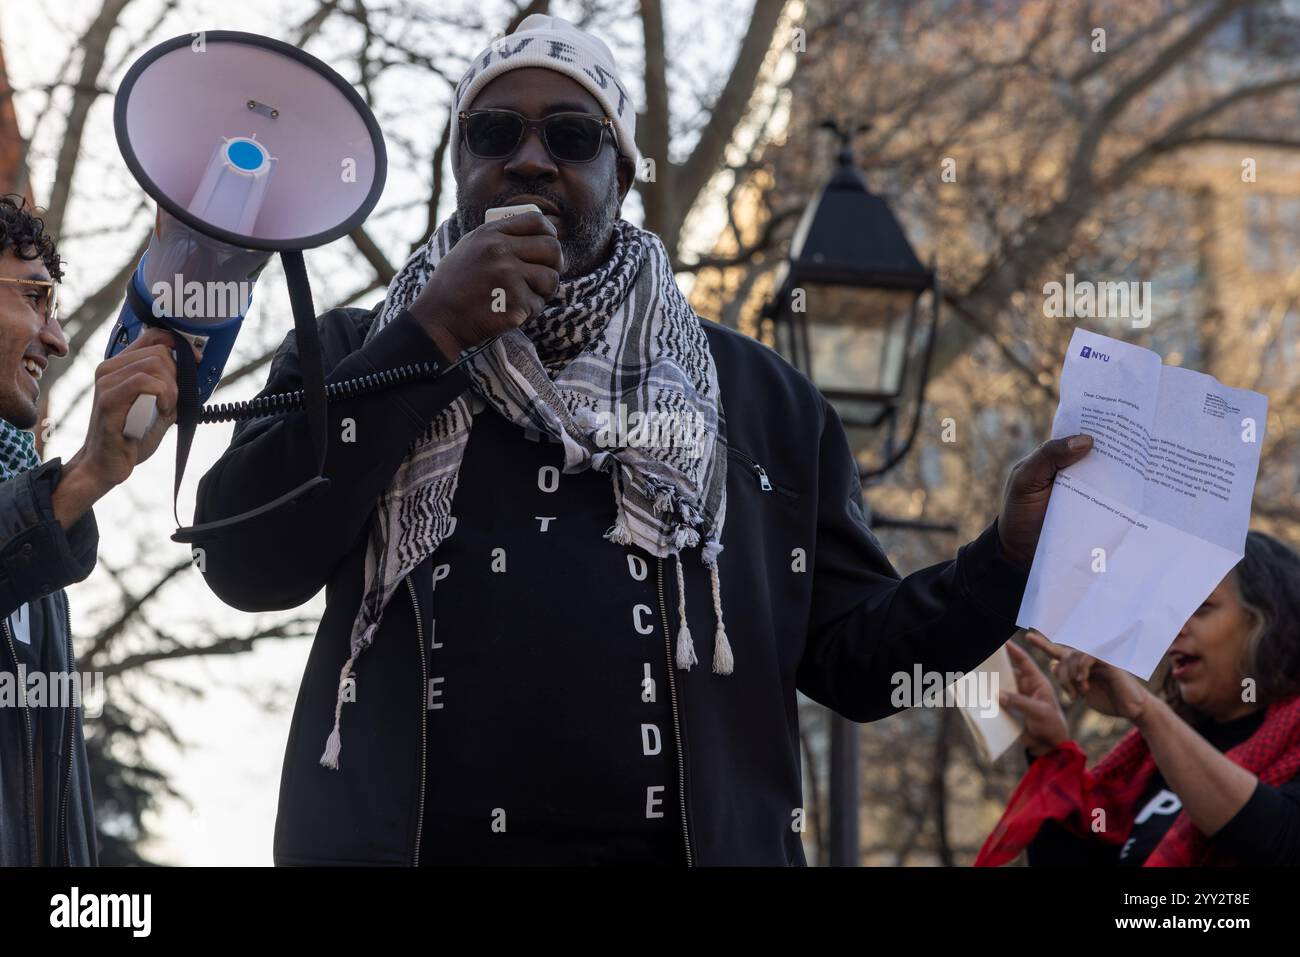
<point>334,744</point>
<point>724,661</point>
<point>620,533</point>
<point>685,644</point>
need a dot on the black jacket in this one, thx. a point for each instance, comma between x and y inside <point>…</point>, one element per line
<point>38,557</point>
<point>837,630</point>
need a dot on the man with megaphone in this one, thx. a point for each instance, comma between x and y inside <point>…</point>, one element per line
<point>535,647</point>
<point>48,539</point>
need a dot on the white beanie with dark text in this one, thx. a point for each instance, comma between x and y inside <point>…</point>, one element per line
<point>553,44</point>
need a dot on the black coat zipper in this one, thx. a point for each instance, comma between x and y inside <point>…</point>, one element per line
<point>765,482</point>
<point>760,473</point>
<point>32,839</point>
<point>72,730</point>
<point>424,721</point>
<point>677,731</point>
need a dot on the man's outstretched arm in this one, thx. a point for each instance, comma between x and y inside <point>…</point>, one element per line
<point>866,625</point>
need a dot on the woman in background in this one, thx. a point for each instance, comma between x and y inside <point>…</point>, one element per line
<point>1210,773</point>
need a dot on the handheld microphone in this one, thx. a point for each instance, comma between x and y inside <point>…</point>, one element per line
<point>506,212</point>
<point>278,403</point>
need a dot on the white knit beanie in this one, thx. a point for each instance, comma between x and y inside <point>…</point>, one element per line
<point>554,44</point>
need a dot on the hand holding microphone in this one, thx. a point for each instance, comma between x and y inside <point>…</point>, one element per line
<point>519,254</point>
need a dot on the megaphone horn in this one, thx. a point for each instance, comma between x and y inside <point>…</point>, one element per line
<point>250,146</point>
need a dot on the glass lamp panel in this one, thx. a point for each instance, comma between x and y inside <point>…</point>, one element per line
<point>857,337</point>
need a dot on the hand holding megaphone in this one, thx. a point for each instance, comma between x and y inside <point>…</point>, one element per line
<point>143,414</point>
<point>519,254</point>
<point>145,369</point>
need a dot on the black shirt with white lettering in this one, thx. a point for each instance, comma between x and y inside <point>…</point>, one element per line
<point>1158,807</point>
<point>1265,832</point>
<point>550,729</point>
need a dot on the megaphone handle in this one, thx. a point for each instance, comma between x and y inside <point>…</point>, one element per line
<point>144,410</point>
<point>143,414</point>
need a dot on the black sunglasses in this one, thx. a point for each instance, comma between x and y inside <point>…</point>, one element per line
<point>569,137</point>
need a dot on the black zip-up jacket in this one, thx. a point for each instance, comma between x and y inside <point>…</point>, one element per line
<point>811,601</point>
<point>38,557</point>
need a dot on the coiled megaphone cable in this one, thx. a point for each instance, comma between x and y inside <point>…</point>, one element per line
<point>278,403</point>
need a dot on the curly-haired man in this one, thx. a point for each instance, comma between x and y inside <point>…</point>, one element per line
<point>48,539</point>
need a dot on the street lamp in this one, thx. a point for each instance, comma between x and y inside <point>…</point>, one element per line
<point>847,305</point>
<point>846,312</point>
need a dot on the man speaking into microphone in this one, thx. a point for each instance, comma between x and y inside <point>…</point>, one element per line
<point>574,583</point>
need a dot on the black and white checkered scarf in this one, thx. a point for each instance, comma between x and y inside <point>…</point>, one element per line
<point>619,340</point>
<point>17,451</point>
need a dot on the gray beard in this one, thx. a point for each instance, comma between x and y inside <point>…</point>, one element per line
<point>587,244</point>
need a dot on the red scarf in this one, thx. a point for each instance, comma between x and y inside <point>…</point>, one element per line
<point>1059,787</point>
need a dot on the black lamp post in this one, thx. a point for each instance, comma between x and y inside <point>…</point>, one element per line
<point>847,305</point>
<point>846,313</point>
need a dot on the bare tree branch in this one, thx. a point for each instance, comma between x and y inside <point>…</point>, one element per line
<point>1097,62</point>
<point>729,109</point>
<point>1164,61</point>
<point>435,192</point>
<point>89,316</point>
<point>1230,139</point>
<point>296,628</point>
<point>766,240</point>
<point>93,43</point>
<point>131,605</point>
<point>373,254</point>
<point>1177,133</point>
<point>312,25</point>
<point>653,127</point>
<point>527,10</point>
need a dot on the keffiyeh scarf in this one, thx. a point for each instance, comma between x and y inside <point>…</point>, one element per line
<point>619,344</point>
<point>17,451</point>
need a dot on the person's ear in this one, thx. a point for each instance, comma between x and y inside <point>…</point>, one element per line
<point>626,171</point>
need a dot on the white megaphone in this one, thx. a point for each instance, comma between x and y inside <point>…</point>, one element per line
<point>250,147</point>
<point>199,286</point>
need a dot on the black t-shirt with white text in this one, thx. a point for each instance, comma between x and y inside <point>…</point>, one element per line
<point>1158,807</point>
<point>1264,832</point>
<point>550,731</point>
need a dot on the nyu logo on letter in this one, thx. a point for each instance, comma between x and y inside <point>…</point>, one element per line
<point>1090,353</point>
